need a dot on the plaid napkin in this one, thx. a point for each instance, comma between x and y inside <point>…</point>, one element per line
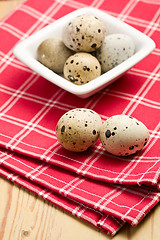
<point>102,189</point>
<point>103,222</point>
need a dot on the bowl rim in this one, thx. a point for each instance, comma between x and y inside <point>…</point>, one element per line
<point>21,52</point>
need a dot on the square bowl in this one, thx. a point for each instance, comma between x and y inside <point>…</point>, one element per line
<point>26,50</point>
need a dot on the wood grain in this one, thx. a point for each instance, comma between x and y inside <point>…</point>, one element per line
<point>25,216</point>
<point>7,6</point>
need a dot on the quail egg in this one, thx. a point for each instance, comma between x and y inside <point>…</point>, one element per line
<point>81,68</point>
<point>78,129</point>
<point>123,135</point>
<point>115,49</point>
<point>84,33</point>
<point>53,53</point>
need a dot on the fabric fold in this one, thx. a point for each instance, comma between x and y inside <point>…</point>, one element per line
<point>100,188</point>
<point>106,223</point>
<point>109,199</point>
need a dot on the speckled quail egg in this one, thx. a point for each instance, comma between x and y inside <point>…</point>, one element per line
<point>123,135</point>
<point>78,129</point>
<point>84,33</point>
<point>81,68</point>
<point>115,49</point>
<point>53,53</point>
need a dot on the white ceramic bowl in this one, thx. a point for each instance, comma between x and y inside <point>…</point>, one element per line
<point>25,51</point>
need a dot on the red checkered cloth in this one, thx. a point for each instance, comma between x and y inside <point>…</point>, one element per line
<point>102,189</point>
<point>104,222</point>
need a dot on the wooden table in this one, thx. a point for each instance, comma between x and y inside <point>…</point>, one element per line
<point>26,216</point>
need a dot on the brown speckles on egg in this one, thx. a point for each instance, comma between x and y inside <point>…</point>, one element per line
<point>87,29</point>
<point>123,142</point>
<point>145,143</point>
<point>93,45</point>
<point>62,129</point>
<point>131,147</point>
<point>81,68</point>
<point>72,78</point>
<point>115,50</point>
<point>78,133</point>
<point>84,68</point>
<point>94,132</point>
<point>92,112</point>
<point>77,29</point>
<point>108,133</point>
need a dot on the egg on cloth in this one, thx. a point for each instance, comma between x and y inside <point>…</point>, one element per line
<point>81,68</point>
<point>115,49</point>
<point>84,33</point>
<point>123,135</point>
<point>52,53</point>
<point>78,129</point>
